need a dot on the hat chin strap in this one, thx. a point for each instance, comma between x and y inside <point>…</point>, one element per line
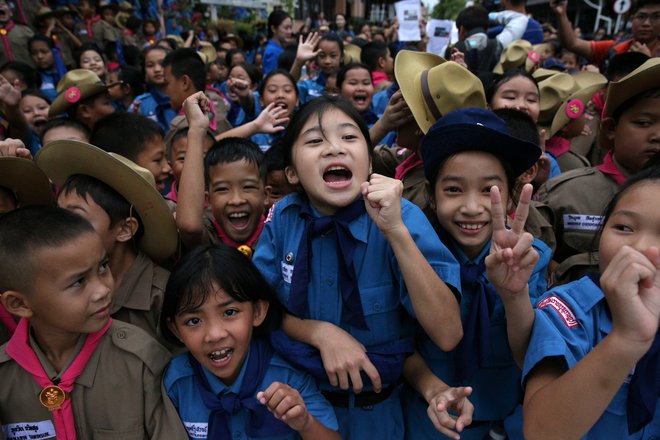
<point>428,98</point>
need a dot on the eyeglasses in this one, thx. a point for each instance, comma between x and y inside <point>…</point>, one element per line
<point>642,17</point>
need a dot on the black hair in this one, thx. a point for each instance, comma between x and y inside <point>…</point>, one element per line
<point>37,93</point>
<point>287,57</point>
<point>26,231</point>
<point>43,39</point>
<point>341,75</point>
<point>133,23</point>
<point>171,42</point>
<point>125,133</point>
<point>203,272</point>
<point>65,122</point>
<point>275,158</point>
<point>132,76</point>
<point>187,62</point>
<point>334,38</point>
<point>234,149</point>
<point>318,107</point>
<point>621,109</point>
<point>25,73</point>
<point>170,139</point>
<point>272,73</point>
<point>84,48</point>
<point>250,69</point>
<point>496,81</point>
<point>372,52</point>
<point>639,4</point>
<point>472,17</point>
<point>624,63</point>
<point>113,203</point>
<point>231,53</point>
<point>275,19</point>
<point>72,110</point>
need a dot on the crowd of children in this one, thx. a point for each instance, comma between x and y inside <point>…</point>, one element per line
<point>345,237</point>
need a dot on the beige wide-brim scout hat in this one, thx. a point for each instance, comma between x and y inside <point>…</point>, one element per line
<point>433,87</point>
<point>554,90</point>
<point>514,56</point>
<point>126,6</point>
<point>352,53</point>
<point>540,74</point>
<point>573,107</point>
<point>645,77</point>
<point>586,78</point>
<point>64,158</point>
<point>44,12</point>
<point>77,84</point>
<point>24,178</point>
<point>208,54</point>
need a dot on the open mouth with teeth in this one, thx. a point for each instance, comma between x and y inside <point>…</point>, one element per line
<point>337,176</point>
<point>360,99</point>
<point>38,124</point>
<point>239,220</point>
<point>282,104</point>
<point>221,357</point>
<point>472,228</point>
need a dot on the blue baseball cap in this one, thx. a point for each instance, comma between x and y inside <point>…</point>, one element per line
<point>475,129</point>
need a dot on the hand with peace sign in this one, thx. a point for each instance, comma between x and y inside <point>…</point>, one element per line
<point>512,258</point>
<point>510,265</point>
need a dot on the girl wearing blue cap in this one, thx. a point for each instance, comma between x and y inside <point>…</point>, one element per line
<point>472,163</point>
<point>356,263</point>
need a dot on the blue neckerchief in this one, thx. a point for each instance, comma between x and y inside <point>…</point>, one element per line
<point>321,79</point>
<point>350,292</point>
<point>162,104</point>
<point>120,53</point>
<point>472,349</point>
<point>261,423</point>
<point>60,67</point>
<point>388,358</point>
<point>369,116</point>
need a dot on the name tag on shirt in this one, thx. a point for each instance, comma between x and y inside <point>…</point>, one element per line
<point>196,430</point>
<point>29,430</point>
<point>582,222</point>
<point>287,272</point>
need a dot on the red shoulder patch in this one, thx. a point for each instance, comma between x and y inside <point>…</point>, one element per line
<point>269,217</point>
<point>560,306</point>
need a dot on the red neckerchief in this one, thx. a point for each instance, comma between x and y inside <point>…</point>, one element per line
<point>411,162</point>
<point>172,195</point>
<point>378,77</point>
<point>89,23</point>
<point>213,123</point>
<point>599,100</point>
<point>557,145</point>
<point>19,349</point>
<point>5,40</point>
<point>228,241</point>
<point>610,168</point>
<point>7,320</point>
<point>21,12</point>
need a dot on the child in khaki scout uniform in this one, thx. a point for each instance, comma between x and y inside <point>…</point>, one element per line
<point>120,199</point>
<point>83,96</point>
<point>14,38</point>
<point>92,29</point>
<point>448,87</point>
<point>232,179</point>
<point>70,371</point>
<point>631,130</point>
<point>22,183</point>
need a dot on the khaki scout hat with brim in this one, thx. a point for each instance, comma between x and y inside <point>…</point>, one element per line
<point>107,5</point>
<point>645,77</point>
<point>514,56</point>
<point>554,90</point>
<point>208,54</point>
<point>126,6</point>
<point>574,106</point>
<point>433,87</point>
<point>64,158</point>
<point>44,12</point>
<point>352,53</point>
<point>586,78</point>
<point>77,85</point>
<point>25,180</point>
<point>540,74</point>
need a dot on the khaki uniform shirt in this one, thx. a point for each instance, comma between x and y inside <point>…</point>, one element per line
<point>139,298</point>
<point>539,226</point>
<point>577,200</point>
<point>571,161</point>
<point>4,334</point>
<point>18,38</point>
<point>102,33</point>
<point>117,396</point>
<point>386,159</point>
<point>588,145</point>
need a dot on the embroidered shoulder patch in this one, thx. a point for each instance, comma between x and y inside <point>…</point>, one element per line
<point>560,306</point>
<point>269,217</point>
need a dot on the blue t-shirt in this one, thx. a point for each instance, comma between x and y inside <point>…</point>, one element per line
<point>181,388</point>
<point>570,320</point>
<point>156,106</point>
<point>270,57</point>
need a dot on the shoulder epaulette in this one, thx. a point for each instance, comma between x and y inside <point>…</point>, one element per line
<point>136,341</point>
<point>568,175</point>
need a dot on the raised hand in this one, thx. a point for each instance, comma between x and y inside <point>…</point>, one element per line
<point>512,258</point>
<point>382,196</point>
<point>271,119</point>
<point>9,94</point>
<point>307,48</point>
<point>456,401</point>
<point>14,148</point>
<point>196,108</point>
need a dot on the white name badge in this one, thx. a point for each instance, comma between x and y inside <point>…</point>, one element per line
<point>29,430</point>
<point>582,222</point>
<point>287,272</point>
<point>196,430</point>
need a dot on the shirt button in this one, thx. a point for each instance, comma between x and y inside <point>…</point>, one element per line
<point>121,334</point>
<point>377,306</point>
<point>330,281</point>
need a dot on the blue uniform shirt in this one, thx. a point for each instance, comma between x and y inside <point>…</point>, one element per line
<point>382,290</point>
<point>182,390</point>
<point>49,80</point>
<point>271,54</point>
<point>570,320</point>
<point>156,106</point>
<point>496,390</point>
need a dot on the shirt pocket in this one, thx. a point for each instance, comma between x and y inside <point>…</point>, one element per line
<point>381,308</point>
<point>124,434</point>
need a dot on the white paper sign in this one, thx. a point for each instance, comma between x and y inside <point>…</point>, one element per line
<point>439,32</point>
<point>409,12</point>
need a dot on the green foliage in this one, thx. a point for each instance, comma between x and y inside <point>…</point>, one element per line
<point>447,9</point>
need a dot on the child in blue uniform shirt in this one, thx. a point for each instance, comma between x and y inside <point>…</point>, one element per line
<point>348,255</point>
<point>231,384</point>
<point>465,174</point>
<point>328,57</point>
<point>591,370</point>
